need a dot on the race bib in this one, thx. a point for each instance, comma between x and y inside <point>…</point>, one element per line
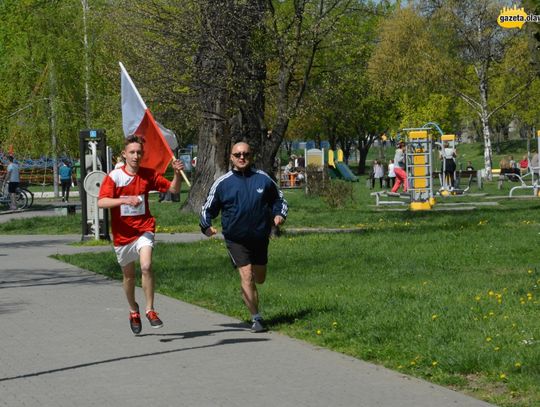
<point>128,210</point>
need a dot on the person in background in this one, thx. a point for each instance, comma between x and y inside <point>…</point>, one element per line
<point>378,174</point>
<point>469,166</point>
<point>65,174</point>
<point>119,162</point>
<point>513,165</point>
<point>391,174</point>
<point>13,178</point>
<point>524,165</point>
<point>448,156</point>
<point>399,156</point>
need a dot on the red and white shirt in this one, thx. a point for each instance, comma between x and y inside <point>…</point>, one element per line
<point>129,222</point>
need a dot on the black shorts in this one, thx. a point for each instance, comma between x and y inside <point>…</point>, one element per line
<point>12,187</point>
<point>252,252</point>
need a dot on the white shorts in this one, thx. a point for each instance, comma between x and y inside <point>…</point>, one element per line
<point>130,252</point>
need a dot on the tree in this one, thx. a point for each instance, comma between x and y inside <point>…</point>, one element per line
<point>461,48</point>
<point>253,76</point>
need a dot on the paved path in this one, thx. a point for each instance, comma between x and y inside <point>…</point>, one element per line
<point>65,341</point>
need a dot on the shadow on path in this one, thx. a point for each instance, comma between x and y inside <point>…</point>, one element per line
<point>143,355</point>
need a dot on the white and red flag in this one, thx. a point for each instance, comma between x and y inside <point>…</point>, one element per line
<point>137,119</point>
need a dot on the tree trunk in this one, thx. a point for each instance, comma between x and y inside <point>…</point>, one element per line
<point>231,92</point>
<point>484,119</point>
<point>487,145</point>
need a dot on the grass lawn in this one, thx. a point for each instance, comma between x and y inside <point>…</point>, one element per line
<point>449,296</point>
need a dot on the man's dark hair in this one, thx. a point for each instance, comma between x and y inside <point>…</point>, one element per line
<point>11,159</point>
<point>133,138</point>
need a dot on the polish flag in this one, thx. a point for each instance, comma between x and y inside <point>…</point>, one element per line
<point>137,119</point>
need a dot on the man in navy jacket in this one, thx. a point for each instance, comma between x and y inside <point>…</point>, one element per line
<point>250,203</point>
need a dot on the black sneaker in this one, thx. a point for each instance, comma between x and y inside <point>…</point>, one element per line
<point>257,325</point>
<point>135,321</point>
<point>153,318</point>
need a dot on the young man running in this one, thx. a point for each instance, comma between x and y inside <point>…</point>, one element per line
<point>250,203</point>
<point>125,191</point>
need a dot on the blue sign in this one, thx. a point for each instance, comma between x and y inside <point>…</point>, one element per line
<point>93,134</point>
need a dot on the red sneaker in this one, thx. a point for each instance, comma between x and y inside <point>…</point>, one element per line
<point>152,316</point>
<point>135,321</point>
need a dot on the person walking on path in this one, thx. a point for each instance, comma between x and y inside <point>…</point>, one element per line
<point>125,191</point>
<point>13,178</point>
<point>65,174</point>
<point>250,203</point>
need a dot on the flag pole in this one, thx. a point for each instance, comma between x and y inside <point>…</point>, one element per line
<point>183,173</point>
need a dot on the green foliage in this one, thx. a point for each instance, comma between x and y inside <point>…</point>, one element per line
<point>337,193</point>
<point>42,71</point>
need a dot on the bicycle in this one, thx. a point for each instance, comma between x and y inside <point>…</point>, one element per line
<point>21,199</point>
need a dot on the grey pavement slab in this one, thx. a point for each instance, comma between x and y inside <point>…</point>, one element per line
<point>65,341</point>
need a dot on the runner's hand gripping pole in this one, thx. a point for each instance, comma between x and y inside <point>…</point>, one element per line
<point>183,173</point>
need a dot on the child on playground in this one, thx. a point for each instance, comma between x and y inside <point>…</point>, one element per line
<point>377,173</point>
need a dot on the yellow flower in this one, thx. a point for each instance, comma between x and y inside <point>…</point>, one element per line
<point>517,365</point>
<point>477,298</point>
<point>334,324</point>
<point>491,293</point>
<point>491,313</point>
<point>502,376</point>
<point>413,362</point>
<point>434,317</point>
<point>488,339</point>
<point>434,363</point>
<point>319,332</point>
<point>496,349</point>
<point>529,271</point>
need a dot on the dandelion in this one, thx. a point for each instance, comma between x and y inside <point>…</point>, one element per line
<point>502,376</point>
<point>413,362</point>
<point>491,293</point>
<point>434,317</point>
<point>491,313</point>
<point>434,363</point>
<point>400,367</point>
<point>319,332</point>
<point>477,298</point>
<point>529,271</point>
<point>334,324</point>
<point>517,365</point>
<point>496,348</point>
<point>489,339</point>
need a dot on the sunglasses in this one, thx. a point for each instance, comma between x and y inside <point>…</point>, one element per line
<point>244,154</point>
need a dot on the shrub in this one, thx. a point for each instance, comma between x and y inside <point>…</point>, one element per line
<point>337,193</point>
